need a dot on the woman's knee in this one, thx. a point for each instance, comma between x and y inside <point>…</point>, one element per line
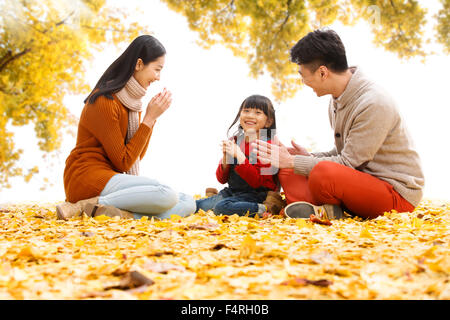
<point>188,203</point>
<point>167,197</point>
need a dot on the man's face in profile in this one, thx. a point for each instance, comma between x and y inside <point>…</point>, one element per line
<point>312,79</point>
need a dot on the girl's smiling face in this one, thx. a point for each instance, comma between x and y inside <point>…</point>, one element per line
<point>252,120</point>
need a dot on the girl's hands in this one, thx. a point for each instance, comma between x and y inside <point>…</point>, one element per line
<point>224,156</point>
<point>157,106</point>
<point>230,148</point>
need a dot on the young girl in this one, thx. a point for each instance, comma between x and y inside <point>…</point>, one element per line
<point>249,181</point>
<point>102,171</point>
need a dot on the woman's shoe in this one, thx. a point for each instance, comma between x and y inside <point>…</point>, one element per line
<point>90,207</point>
<point>304,210</point>
<point>69,210</point>
<point>94,210</point>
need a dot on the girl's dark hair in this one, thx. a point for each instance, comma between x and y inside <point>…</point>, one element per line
<point>261,103</point>
<point>320,48</point>
<point>146,47</point>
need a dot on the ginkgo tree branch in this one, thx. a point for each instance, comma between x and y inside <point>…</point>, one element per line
<point>286,19</point>
<point>9,57</point>
<point>229,5</point>
<point>64,20</point>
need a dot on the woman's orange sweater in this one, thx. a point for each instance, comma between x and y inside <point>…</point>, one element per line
<point>100,151</point>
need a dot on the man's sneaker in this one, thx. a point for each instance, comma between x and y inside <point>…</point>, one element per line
<point>304,210</point>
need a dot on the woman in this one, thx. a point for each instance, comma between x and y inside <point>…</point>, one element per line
<point>102,171</point>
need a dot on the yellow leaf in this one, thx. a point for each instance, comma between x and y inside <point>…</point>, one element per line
<point>341,235</point>
<point>430,252</point>
<point>266,236</point>
<point>433,288</point>
<point>248,247</point>
<point>29,252</point>
<point>79,242</point>
<point>301,223</point>
<point>440,265</point>
<point>416,222</point>
<point>343,272</point>
<point>365,233</point>
<point>119,254</point>
<point>102,218</point>
<point>174,217</point>
<point>141,243</point>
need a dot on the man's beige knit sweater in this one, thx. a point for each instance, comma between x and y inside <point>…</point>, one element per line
<point>370,136</point>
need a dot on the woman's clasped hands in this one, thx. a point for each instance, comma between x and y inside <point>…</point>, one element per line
<point>157,106</point>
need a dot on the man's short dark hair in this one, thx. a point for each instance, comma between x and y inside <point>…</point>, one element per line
<point>320,48</point>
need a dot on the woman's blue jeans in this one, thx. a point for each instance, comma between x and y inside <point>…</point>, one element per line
<point>228,205</point>
<point>145,196</point>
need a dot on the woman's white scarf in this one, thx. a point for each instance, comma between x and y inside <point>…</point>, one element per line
<point>131,96</point>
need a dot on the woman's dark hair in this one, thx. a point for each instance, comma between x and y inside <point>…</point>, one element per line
<point>256,102</point>
<point>146,47</point>
<point>320,48</point>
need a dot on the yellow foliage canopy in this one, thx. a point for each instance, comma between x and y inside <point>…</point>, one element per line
<point>42,50</point>
<point>263,31</point>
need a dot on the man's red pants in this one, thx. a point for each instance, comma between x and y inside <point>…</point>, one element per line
<point>332,183</point>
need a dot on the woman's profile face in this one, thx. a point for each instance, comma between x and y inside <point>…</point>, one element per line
<point>146,74</point>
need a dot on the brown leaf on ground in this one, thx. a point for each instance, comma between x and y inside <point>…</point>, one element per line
<point>131,280</point>
<point>299,282</point>
<point>87,234</point>
<point>314,219</point>
<point>218,247</point>
<point>161,253</point>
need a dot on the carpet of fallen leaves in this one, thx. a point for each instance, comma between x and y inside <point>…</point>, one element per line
<point>396,256</point>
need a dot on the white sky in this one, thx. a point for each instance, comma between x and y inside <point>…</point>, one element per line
<point>208,88</point>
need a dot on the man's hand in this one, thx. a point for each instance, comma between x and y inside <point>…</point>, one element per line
<point>298,150</point>
<point>276,154</point>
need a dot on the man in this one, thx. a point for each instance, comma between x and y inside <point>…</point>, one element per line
<point>373,167</point>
